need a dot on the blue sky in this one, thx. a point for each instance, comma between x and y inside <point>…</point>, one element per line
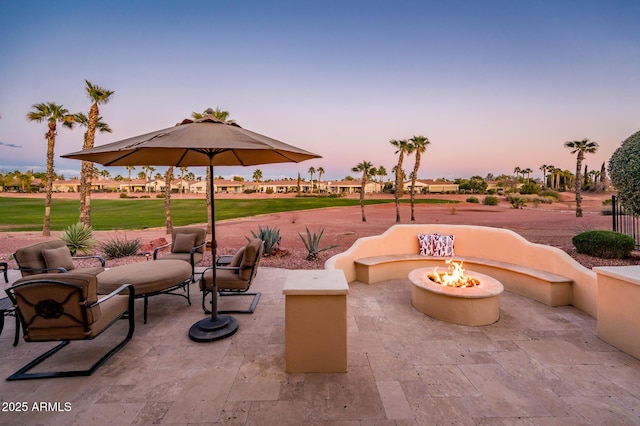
<point>492,84</point>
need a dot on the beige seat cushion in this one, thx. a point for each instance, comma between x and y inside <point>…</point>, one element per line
<point>226,279</point>
<point>249,259</point>
<point>183,243</point>
<point>31,256</point>
<point>59,257</point>
<point>146,277</point>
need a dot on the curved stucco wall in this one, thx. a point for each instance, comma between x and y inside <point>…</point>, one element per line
<point>477,241</point>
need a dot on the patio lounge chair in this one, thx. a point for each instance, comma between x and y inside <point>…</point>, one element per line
<point>187,243</point>
<point>64,307</point>
<point>235,279</point>
<point>51,256</point>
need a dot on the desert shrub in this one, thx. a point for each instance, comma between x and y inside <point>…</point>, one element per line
<point>123,195</point>
<point>606,211</point>
<point>270,236</point>
<point>624,170</point>
<point>337,195</point>
<point>517,202</point>
<point>550,193</point>
<point>607,202</point>
<point>120,247</point>
<point>145,196</point>
<point>490,200</point>
<point>312,244</point>
<point>79,238</point>
<point>269,191</point>
<point>530,188</point>
<point>160,195</point>
<point>604,244</point>
<point>473,200</point>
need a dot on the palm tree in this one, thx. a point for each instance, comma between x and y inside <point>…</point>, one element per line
<point>183,171</point>
<point>419,146</point>
<point>99,96</point>
<point>311,172</point>
<point>167,200</point>
<point>147,177</point>
<point>190,178</point>
<point>320,173</point>
<point>517,170</point>
<point>544,169</point>
<point>129,170</point>
<point>365,167</point>
<point>52,114</point>
<point>257,175</point>
<point>382,172</point>
<point>402,147</point>
<point>585,146</point>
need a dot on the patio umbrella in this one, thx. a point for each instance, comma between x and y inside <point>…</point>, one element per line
<point>204,142</point>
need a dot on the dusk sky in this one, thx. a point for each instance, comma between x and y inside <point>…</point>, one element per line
<point>492,84</point>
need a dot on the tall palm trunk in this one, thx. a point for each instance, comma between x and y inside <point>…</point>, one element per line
<point>87,167</point>
<point>413,183</point>
<point>51,141</point>
<point>362,185</point>
<point>396,194</point>
<point>578,184</point>
<point>167,199</point>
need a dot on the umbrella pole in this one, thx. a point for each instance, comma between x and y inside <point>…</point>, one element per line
<point>217,326</point>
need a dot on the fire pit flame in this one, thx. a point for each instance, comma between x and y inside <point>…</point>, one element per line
<point>455,277</point>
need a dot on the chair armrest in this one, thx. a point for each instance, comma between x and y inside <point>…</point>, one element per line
<point>42,270</point>
<point>117,291</point>
<point>100,258</point>
<point>193,250</point>
<point>192,253</point>
<point>157,249</point>
<point>229,268</point>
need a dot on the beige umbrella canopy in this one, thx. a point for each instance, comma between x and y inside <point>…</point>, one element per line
<point>205,142</point>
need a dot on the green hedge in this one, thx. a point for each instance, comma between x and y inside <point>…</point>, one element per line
<point>604,244</point>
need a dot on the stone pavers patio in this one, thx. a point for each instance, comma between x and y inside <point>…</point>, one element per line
<point>536,365</point>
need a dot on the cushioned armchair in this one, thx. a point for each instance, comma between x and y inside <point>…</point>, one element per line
<point>187,243</point>
<point>235,279</point>
<point>51,256</point>
<point>65,307</point>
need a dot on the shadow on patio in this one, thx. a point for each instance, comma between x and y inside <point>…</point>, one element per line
<point>536,365</point>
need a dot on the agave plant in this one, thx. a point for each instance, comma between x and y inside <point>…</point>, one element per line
<point>271,238</point>
<point>79,238</point>
<point>312,244</point>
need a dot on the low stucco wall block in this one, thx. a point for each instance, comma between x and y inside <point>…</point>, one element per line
<point>315,324</point>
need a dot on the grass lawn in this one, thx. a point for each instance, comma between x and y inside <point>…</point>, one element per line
<point>27,214</point>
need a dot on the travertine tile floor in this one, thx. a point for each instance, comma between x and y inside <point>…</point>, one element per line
<point>536,365</point>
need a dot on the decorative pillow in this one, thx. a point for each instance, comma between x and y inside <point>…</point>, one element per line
<point>58,258</point>
<point>436,245</point>
<point>184,243</point>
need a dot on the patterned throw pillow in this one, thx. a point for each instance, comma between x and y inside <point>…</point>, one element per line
<point>436,245</point>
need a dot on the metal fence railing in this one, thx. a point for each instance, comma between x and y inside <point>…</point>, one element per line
<point>624,221</point>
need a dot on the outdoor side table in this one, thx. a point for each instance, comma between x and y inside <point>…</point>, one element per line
<point>315,322</point>
<point>7,309</point>
<point>3,268</point>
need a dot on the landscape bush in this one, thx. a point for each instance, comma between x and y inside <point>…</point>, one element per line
<point>550,193</point>
<point>604,244</point>
<point>490,200</point>
<point>530,188</point>
<point>517,202</point>
<point>473,200</point>
<point>79,238</point>
<point>624,169</point>
<point>117,247</point>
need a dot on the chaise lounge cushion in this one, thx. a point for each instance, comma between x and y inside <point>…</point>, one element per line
<point>146,277</point>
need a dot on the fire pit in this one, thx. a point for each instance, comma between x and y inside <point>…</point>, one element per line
<point>471,300</point>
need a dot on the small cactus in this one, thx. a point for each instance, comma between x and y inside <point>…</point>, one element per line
<point>312,242</point>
